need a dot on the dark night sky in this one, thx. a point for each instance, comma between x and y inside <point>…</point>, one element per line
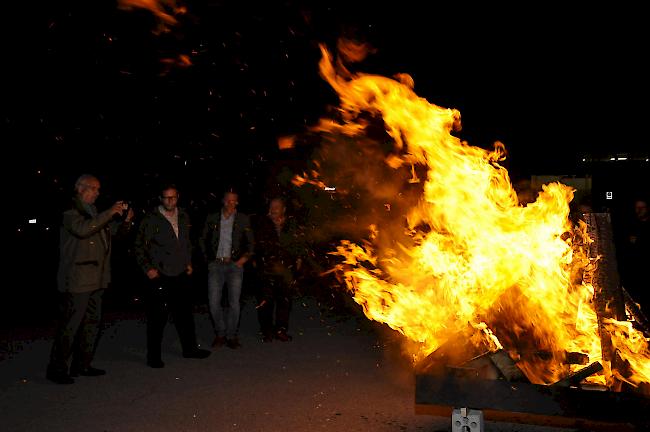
<point>92,91</point>
<point>88,89</point>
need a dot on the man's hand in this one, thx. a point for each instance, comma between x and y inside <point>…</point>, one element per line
<point>119,208</point>
<point>152,273</point>
<point>240,262</point>
<point>129,215</point>
<point>189,269</point>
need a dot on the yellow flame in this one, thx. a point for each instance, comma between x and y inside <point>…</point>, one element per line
<point>631,347</point>
<point>477,256</point>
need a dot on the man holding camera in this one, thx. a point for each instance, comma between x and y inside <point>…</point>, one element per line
<point>84,273</point>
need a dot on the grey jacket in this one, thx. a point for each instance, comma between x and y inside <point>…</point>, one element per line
<point>84,250</point>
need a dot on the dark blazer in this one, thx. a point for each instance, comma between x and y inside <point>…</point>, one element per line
<point>157,247</point>
<point>84,249</point>
<point>243,241</point>
<point>275,253</point>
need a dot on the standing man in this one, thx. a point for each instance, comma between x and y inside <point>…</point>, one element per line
<point>84,272</point>
<point>636,250</point>
<point>164,252</point>
<point>279,247</point>
<point>227,243</point>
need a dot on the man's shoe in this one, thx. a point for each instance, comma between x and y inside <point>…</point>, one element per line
<point>233,343</point>
<point>283,336</point>
<point>267,338</point>
<point>218,341</point>
<point>197,353</point>
<point>89,371</point>
<point>156,364</point>
<point>59,377</point>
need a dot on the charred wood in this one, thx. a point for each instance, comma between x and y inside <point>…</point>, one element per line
<point>640,320</point>
<point>608,296</point>
<point>575,378</point>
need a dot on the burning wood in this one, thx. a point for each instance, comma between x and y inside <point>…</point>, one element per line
<point>636,313</point>
<point>491,365</point>
<point>509,297</point>
<point>468,253</point>
<point>497,364</point>
<point>507,367</point>
<point>577,377</point>
<point>454,352</point>
<point>576,358</point>
<point>579,405</point>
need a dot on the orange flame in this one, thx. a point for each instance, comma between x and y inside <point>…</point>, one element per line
<point>181,62</point>
<point>286,142</point>
<point>299,180</point>
<point>164,10</point>
<point>476,257</point>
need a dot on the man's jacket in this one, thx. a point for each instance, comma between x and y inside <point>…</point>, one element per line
<point>157,247</point>
<point>243,241</point>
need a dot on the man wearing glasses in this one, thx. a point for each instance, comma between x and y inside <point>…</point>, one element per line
<point>164,252</point>
<point>84,274</point>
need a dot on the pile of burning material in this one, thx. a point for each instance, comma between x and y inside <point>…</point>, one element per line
<point>493,384</point>
<point>531,296</point>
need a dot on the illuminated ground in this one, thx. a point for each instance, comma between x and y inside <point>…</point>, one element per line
<point>338,374</point>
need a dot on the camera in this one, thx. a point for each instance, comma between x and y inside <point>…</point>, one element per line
<point>125,211</point>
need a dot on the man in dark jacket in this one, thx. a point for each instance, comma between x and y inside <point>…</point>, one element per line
<point>636,255</point>
<point>279,246</point>
<point>84,272</point>
<point>227,243</point>
<point>164,252</point>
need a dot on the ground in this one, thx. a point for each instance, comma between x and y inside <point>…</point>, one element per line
<point>340,373</point>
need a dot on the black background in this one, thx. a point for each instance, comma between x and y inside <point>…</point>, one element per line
<point>88,89</point>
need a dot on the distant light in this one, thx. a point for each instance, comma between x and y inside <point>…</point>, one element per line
<point>32,221</point>
<point>329,188</point>
<point>584,160</point>
<point>646,159</point>
<point>612,158</point>
<point>47,228</point>
<point>622,158</point>
<point>609,195</point>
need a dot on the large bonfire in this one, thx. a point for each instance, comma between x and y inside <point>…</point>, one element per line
<point>476,258</point>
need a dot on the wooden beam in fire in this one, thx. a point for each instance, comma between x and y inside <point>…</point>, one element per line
<point>454,352</point>
<point>575,378</point>
<point>641,322</point>
<point>493,365</point>
<point>608,293</point>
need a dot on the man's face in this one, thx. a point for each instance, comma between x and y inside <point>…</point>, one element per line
<point>641,210</point>
<point>88,191</point>
<point>230,202</point>
<point>169,199</point>
<point>276,210</point>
